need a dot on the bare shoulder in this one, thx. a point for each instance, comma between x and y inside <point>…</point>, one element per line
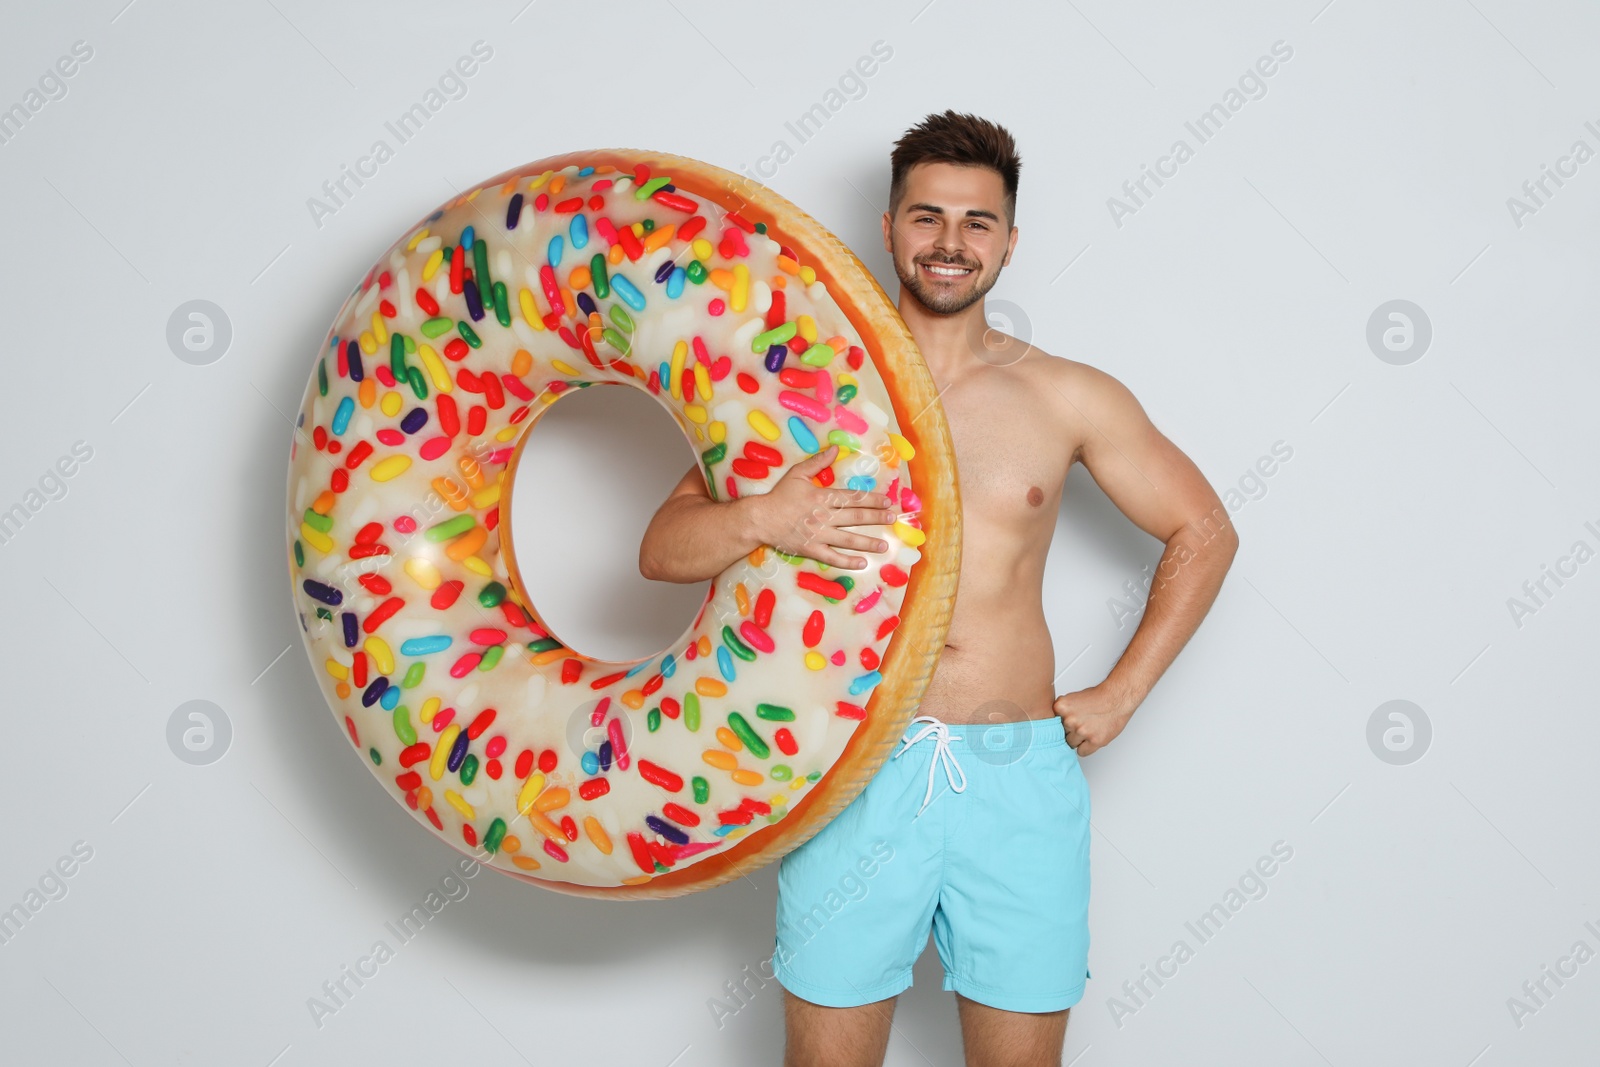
<point>1088,398</point>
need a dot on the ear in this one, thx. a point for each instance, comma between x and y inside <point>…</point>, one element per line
<point>1010,247</point>
<point>888,245</point>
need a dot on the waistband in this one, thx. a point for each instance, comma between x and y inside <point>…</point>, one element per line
<point>991,737</point>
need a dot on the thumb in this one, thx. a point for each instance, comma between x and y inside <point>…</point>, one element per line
<point>817,461</point>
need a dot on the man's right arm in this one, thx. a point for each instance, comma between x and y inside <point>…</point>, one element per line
<point>692,538</point>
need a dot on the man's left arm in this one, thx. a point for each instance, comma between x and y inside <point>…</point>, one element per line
<point>1163,493</point>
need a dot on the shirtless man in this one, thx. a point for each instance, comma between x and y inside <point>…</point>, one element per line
<point>999,865</point>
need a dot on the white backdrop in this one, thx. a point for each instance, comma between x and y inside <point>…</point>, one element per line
<point>1396,502</point>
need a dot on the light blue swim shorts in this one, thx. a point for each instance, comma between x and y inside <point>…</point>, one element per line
<point>996,859</point>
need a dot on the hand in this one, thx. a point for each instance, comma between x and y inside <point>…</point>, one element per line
<point>1092,717</point>
<point>800,518</point>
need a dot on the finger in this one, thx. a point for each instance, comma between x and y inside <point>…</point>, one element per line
<point>863,517</point>
<point>817,460</point>
<point>859,542</point>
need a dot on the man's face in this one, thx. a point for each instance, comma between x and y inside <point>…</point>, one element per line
<point>949,237</point>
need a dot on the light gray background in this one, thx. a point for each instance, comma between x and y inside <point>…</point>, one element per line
<point>1376,563</point>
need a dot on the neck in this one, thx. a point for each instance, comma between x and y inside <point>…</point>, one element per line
<point>946,341</point>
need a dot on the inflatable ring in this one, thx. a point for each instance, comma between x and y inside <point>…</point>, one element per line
<point>767,341</point>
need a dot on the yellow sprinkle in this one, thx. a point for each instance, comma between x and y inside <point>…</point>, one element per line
<point>815,661</point>
<point>565,368</point>
<point>702,382</point>
<point>762,424</point>
<point>909,534</point>
<point>741,286</point>
<point>435,368</point>
<point>390,467</point>
<point>778,800</point>
<point>430,708</point>
<point>380,332</point>
<point>729,739</point>
<point>477,566</point>
<point>902,446</point>
<point>597,834</point>
<point>808,327</point>
<point>368,344</point>
<point>441,751</point>
<point>411,245</point>
<point>316,539</point>
<point>680,354</point>
<point>423,572</point>
<point>638,229</point>
<point>702,249</point>
<point>530,310</point>
<point>459,803</point>
<point>390,404</point>
<point>743,777</point>
<point>530,792</point>
<point>534,183</point>
<point>435,258</point>
<point>487,497</point>
<point>506,433</point>
<point>696,413</point>
<point>337,669</point>
<point>706,687</point>
<point>718,431</point>
<point>723,761</point>
<point>378,649</point>
<point>807,275</point>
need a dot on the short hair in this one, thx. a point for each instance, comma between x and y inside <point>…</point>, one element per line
<point>962,139</point>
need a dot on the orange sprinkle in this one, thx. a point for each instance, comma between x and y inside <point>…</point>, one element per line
<point>521,363</point>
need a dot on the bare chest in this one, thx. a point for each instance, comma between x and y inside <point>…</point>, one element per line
<point>1012,454</point>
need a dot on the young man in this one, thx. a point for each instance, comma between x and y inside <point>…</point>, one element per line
<point>998,862</point>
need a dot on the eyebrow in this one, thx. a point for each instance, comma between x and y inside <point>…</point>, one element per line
<point>972,212</point>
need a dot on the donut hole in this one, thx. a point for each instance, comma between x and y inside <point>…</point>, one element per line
<point>593,470</point>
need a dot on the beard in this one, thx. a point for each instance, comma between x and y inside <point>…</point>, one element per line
<point>943,300</point>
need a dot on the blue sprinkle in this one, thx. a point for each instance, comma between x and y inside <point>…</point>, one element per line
<point>802,434</point>
<point>351,636</point>
<point>669,665</point>
<point>725,829</point>
<point>666,830</point>
<point>415,419</point>
<point>865,682</point>
<point>641,665</point>
<point>513,212</point>
<point>585,172</point>
<point>590,763</point>
<point>320,591</point>
<point>341,417</point>
<point>466,238</point>
<point>391,697</point>
<point>675,283</point>
<point>554,250</point>
<point>725,662</point>
<point>665,374</point>
<point>861,481</point>
<point>578,231</point>
<point>422,646</point>
<point>624,288</point>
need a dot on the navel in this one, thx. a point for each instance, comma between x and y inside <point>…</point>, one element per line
<point>1035,496</point>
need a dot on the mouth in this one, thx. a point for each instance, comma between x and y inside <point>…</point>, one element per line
<point>945,271</point>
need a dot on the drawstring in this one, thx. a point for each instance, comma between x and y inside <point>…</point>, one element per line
<point>942,738</point>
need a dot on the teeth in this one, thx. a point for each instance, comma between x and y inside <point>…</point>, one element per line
<point>949,271</point>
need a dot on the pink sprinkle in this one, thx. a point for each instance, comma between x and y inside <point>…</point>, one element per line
<point>405,523</point>
<point>716,307</point>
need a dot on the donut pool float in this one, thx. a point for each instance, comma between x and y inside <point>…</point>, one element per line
<point>767,341</point>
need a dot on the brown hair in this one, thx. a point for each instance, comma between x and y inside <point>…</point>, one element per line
<point>965,140</point>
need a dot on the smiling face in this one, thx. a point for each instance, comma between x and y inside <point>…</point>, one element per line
<point>949,235</point>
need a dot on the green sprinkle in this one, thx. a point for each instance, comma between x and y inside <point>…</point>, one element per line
<point>480,264</point>
<point>696,271</point>
<point>414,675</point>
<point>322,377</point>
<point>324,613</point>
<point>491,657</point>
<point>299,555</point>
<point>647,225</point>
<point>319,522</point>
<point>418,384</point>
<point>469,768</point>
<point>652,720</point>
<point>842,438</point>
<point>845,393</point>
<point>775,336</point>
<point>597,275</point>
<point>649,187</point>
<point>775,712</point>
<point>443,531</point>
<point>761,227</point>
<point>715,454</point>
<point>496,834</point>
<point>818,355</point>
<point>813,776</point>
<point>702,789</point>
<point>621,318</point>
<point>780,772</point>
<point>468,335</point>
<point>377,760</point>
<point>402,725</point>
<point>492,594</point>
<point>691,711</point>
<point>502,310</point>
<point>736,646</point>
<point>615,339</point>
<point>437,325</point>
<point>746,733</point>
<point>544,644</point>
<point>397,357</point>
<point>411,346</point>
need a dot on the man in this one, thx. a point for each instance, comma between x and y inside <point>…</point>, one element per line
<point>999,866</point>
